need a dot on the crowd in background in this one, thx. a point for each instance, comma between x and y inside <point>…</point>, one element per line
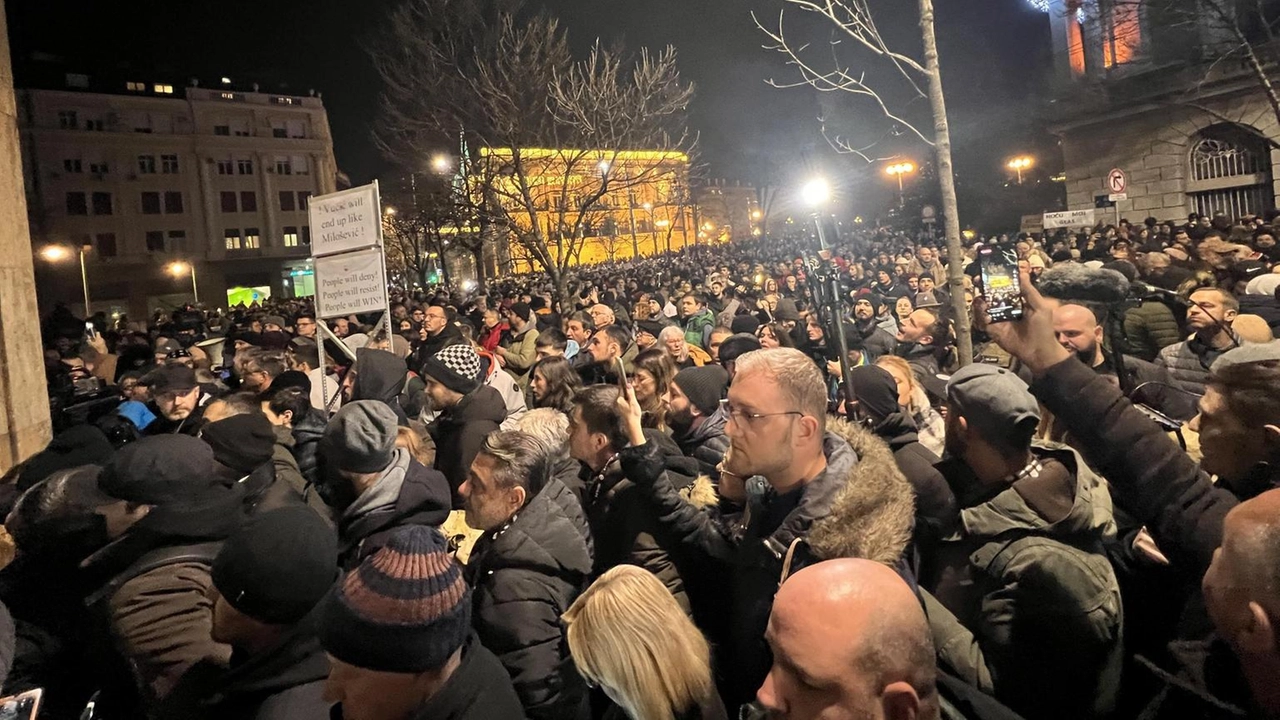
<point>662,491</point>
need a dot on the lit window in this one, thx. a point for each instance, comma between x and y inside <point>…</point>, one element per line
<point>290,236</point>
<point>163,89</point>
<point>251,239</point>
<point>135,87</point>
<point>233,238</point>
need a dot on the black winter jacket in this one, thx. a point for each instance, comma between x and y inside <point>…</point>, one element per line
<point>459,433</point>
<point>874,339</point>
<point>307,433</point>
<point>423,500</point>
<point>526,574</point>
<point>936,510</point>
<point>755,546</point>
<point>707,444</point>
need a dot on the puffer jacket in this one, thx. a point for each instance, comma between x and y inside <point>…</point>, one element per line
<point>307,433</point>
<point>459,433</point>
<point>1027,605</point>
<point>525,575</point>
<point>1149,328</point>
<point>406,493</point>
<point>623,529</point>
<point>1188,363</point>
<point>707,443</point>
<point>755,545</point>
<point>506,386</point>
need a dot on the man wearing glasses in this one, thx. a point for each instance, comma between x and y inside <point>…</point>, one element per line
<point>306,326</point>
<point>778,440</point>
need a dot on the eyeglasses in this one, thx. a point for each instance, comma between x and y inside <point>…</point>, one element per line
<point>742,416</point>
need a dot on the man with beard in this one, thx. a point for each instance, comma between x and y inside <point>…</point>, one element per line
<point>176,400</point>
<point>696,418</point>
<point>437,333</point>
<point>875,340</point>
<point>1078,330</point>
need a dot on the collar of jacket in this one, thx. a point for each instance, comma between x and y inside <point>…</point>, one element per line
<point>816,496</point>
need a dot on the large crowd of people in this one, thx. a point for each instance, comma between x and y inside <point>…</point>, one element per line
<point>662,490</point>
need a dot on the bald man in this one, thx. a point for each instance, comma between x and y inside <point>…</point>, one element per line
<point>849,640</point>
<point>1079,329</point>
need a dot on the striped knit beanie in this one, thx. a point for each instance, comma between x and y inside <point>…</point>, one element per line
<point>405,609</point>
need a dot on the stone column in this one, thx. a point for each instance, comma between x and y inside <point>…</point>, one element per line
<point>24,422</point>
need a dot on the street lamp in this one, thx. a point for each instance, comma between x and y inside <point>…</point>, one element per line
<point>1019,164</point>
<point>388,210</point>
<point>441,163</point>
<point>178,269</point>
<point>58,253</point>
<point>898,170</point>
<point>815,194</point>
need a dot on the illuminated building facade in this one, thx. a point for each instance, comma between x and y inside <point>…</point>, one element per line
<point>644,205</point>
<point>1137,88</point>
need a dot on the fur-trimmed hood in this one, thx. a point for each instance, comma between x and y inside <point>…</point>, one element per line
<point>871,515</point>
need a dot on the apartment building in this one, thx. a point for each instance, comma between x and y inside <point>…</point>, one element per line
<point>148,179</point>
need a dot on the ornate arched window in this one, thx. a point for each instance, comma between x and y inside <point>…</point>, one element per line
<point>1230,172</point>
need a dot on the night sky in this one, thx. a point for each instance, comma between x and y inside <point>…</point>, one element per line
<point>994,54</point>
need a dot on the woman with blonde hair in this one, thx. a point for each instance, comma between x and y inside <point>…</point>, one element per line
<point>628,636</point>
<point>930,425</point>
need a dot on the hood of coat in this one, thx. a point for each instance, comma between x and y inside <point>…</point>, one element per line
<point>380,375</point>
<point>818,495</point>
<point>1090,518</point>
<point>897,429</point>
<point>486,403</point>
<point>872,513</point>
<point>550,536</point>
<point>407,493</point>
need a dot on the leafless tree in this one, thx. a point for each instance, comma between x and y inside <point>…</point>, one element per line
<point>852,22</point>
<point>555,141</point>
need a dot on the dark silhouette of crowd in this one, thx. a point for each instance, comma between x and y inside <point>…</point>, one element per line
<point>664,491</point>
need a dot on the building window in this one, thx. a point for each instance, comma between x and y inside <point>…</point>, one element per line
<point>244,166</point>
<point>306,235</point>
<point>147,164</point>
<point>279,131</point>
<point>177,239</point>
<point>72,165</point>
<point>221,129</point>
<point>77,80</point>
<point>300,165</point>
<point>304,196</point>
<point>77,204</point>
<point>99,168</point>
<point>155,241</point>
<point>282,166</point>
<point>226,167</point>
<point>228,201</point>
<point>163,89</point>
<point>150,203</point>
<point>169,164</point>
<point>248,201</point>
<point>1230,172</point>
<point>286,200</point>
<point>135,87</point>
<point>102,203</point>
<point>67,120</point>
<point>173,202</point>
<point>105,244</point>
<point>232,236</point>
<point>94,125</point>
<point>290,236</point>
<point>252,239</point>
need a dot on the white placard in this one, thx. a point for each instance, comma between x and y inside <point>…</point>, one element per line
<point>1117,197</point>
<point>351,283</point>
<point>1031,224</point>
<point>1069,219</point>
<point>344,221</point>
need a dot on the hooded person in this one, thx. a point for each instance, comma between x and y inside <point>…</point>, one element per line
<point>267,580</point>
<point>153,578</point>
<point>378,375</point>
<point>875,395</point>
<point>468,411</point>
<point>398,629</point>
<point>374,486</point>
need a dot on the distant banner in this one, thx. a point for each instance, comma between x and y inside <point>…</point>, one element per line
<point>1069,219</point>
<point>1032,224</point>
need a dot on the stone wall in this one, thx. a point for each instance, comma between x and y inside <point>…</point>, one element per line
<point>1153,147</point>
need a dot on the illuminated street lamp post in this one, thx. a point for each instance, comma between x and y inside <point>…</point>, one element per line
<point>898,170</point>
<point>1019,164</point>
<point>58,253</point>
<point>178,269</point>
<point>816,193</point>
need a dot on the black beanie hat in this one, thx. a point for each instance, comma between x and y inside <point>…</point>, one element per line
<point>278,565</point>
<point>735,346</point>
<point>161,469</point>
<point>241,442</point>
<point>291,379</point>
<point>875,390</point>
<point>704,386</point>
<point>405,609</point>
<point>457,367</point>
<point>744,324</point>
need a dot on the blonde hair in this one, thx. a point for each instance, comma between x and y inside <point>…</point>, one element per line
<point>796,375</point>
<point>411,441</point>
<point>903,367</point>
<point>627,633</point>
